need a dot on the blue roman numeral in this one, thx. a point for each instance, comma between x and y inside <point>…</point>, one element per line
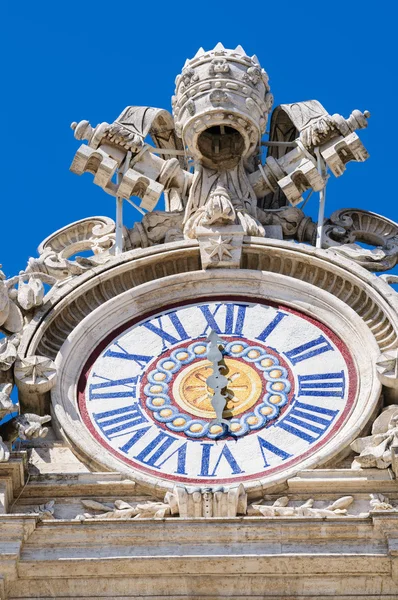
<point>234,319</point>
<point>271,326</point>
<point>225,453</point>
<point>307,417</point>
<point>181,459</point>
<point>129,383</point>
<point>140,359</point>
<point>157,447</point>
<point>264,445</point>
<point>323,384</point>
<point>117,422</point>
<point>164,335</point>
<point>308,350</point>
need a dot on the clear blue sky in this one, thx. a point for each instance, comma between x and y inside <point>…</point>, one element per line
<point>66,61</point>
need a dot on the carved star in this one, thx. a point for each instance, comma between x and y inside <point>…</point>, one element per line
<point>220,247</point>
<point>35,367</point>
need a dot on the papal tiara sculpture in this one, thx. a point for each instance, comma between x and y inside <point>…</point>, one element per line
<point>207,159</point>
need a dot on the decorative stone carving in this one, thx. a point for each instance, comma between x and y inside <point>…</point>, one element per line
<point>35,374</point>
<point>11,319</point>
<point>208,502</point>
<point>347,226</point>
<point>94,233</point>
<point>376,450</point>
<point>155,228</point>
<point>43,511</point>
<point>8,351</point>
<point>220,109</point>
<point>292,221</point>
<point>280,508</point>
<point>380,502</point>
<point>25,426</point>
<point>220,246</point>
<point>4,451</point>
<point>30,294</point>
<point>389,278</point>
<point>6,405</point>
<point>387,368</point>
<point>124,510</point>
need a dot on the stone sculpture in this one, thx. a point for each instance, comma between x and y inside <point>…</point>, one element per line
<point>280,508</point>
<point>220,110</point>
<point>124,510</point>
<point>376,450</point>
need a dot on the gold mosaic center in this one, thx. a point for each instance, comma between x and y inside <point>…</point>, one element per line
<point>193,395</point>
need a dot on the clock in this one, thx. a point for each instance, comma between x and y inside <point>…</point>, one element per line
<point>291,385</point>
<point>299,386</point>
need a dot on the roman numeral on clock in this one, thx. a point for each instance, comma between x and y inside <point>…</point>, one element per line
<point>225,455</point>
<point>308,350</point>
<point>307,421</point>
<point>117,422</point>
<point>117,351</point>
<point>103,390</point>
<point>271,326</point>
<point>167,322</point>
<point>232,323</point>
<point>323,384</point>
<point>266,446</point>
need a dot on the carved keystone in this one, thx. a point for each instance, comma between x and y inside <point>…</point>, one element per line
<point>220,247</point>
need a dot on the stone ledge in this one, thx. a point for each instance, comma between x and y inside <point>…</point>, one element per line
<point>343,481</point>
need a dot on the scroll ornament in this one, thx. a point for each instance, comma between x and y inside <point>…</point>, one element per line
<point>348,228</point>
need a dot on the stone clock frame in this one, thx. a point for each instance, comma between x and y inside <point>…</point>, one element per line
<point>143,274</point>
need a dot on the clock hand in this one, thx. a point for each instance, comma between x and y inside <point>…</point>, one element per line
<point>216,381</point>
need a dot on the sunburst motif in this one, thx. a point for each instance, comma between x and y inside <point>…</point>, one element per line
<point>220,246</point>
<point>243,389</point>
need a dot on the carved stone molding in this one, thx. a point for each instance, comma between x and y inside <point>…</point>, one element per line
<point>371,298</point>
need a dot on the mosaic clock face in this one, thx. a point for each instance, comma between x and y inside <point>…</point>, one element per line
<point>144,398</point>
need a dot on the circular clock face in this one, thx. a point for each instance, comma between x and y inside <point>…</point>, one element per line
<point>143,394</point>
